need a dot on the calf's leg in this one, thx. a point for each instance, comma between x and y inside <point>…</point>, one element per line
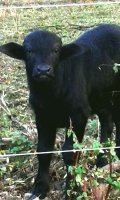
<point>46,139</point>
<point>116,116</point>
<point>78,123</point>
<point>106,122</point>
<point>117,139</point>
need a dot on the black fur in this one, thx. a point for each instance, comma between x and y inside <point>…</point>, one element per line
<point>70,81</point>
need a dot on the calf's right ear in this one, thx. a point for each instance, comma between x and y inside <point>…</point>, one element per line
<point>13,50</point>
<point>71,49</point>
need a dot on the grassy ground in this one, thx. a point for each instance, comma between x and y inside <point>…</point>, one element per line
<point>15,115</point>
<point>29,2</point>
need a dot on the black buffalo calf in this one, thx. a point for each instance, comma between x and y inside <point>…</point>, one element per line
<point>68,81</point>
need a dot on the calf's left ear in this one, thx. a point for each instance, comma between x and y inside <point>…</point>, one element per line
<point>72,49</point>
<point>13,50</point>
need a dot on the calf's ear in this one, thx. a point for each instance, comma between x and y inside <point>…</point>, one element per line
<point>13,50</point>
<point>72,49</point>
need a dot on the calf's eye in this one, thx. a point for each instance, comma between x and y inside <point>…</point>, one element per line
<point>56,50</point>
<point>29,52</point>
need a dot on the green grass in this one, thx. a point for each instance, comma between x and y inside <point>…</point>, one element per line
<point>28,2</point>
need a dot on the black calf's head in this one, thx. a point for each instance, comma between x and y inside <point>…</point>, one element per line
<point>41,51</point>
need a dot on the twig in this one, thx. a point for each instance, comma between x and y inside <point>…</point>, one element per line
<point>115,166</point>
<point>93,189</point>
<point>77,158</point>
<point>3,104</point>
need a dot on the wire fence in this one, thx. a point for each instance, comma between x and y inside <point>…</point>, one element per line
<point>58,152</point>
<point>33,6</point>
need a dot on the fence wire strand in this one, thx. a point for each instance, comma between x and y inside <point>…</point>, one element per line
<point>58,151</point>
<point>33,6</point>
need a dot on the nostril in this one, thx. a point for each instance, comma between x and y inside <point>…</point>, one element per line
<point>48,69</point>
<point>38,69</point>
<point>43,69</point>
